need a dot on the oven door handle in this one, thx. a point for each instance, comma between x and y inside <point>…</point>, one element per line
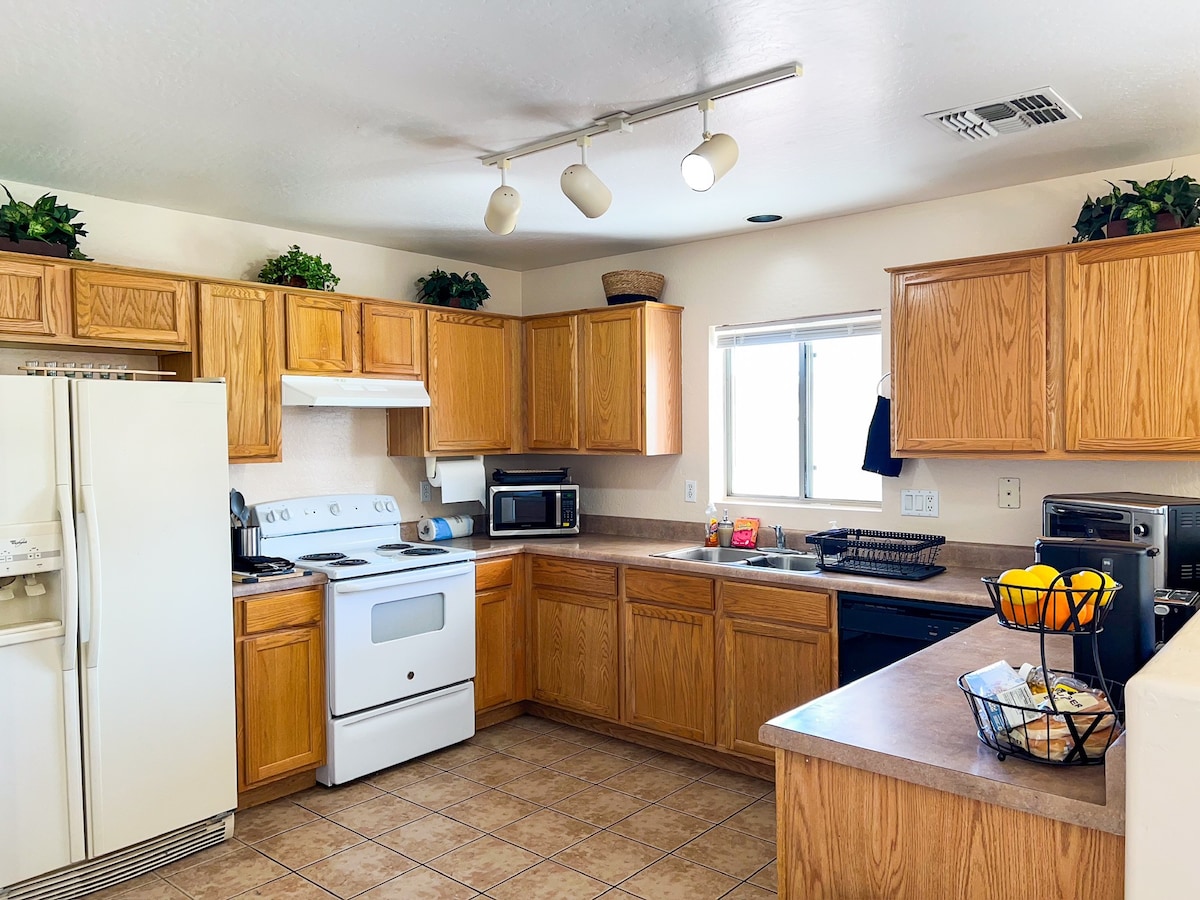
<point>414,576</point>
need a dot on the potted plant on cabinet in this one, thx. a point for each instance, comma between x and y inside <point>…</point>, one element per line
<point>1159,205</point>
<point>451,289</point>
<point>44,227</point>
<point>300,270</point>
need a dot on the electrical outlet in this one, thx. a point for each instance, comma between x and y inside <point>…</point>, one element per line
<point>689,491</point>
<point>919,503</point>
<point>426,492</point>
<point>1008,495</point>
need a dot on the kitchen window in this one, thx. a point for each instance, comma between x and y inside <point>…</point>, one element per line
<point>797,399</point>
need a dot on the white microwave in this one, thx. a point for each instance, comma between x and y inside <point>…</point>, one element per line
<point>525,510</point>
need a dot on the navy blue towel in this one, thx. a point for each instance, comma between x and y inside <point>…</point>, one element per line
<point>879,457</point>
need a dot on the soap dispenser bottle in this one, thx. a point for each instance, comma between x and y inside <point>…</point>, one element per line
<point>725,531</point>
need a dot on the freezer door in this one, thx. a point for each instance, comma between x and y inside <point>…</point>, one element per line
<point>156,608</point>
<point>27,476</point>
<point>35,798</point>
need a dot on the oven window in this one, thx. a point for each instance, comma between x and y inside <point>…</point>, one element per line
<point>409,617</point>
<point>1089,525</point>
<point>533,508</point>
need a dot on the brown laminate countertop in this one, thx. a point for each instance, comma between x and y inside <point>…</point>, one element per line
<point>956,585</point>
<point>910,721</point>
<point>295,582</point>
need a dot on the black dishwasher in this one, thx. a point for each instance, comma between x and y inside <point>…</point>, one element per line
<point>874,632</point>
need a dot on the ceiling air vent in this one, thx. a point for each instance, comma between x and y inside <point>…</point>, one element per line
<point>1006,115</point>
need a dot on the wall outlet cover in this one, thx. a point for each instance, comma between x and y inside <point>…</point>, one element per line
<point>689,491</point>
<point>1008,493</point>
<point>919,503</point>
<point>426,492</point>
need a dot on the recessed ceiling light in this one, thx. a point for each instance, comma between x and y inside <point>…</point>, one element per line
<point>758,220</point>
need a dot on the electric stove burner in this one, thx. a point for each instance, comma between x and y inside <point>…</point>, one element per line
<point>348,562</point>
<point>322,557</point>
<point>425,551</point>
<point>383,548</point>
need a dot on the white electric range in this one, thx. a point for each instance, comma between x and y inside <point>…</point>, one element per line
<point>399,629</point>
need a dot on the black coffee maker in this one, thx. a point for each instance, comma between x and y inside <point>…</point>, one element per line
<point>1127,641</point>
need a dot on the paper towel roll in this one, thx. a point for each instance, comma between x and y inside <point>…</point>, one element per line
<point>460,479</point>
<point>441,529</point>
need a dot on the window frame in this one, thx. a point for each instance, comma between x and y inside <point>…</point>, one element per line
<point>862,323</point>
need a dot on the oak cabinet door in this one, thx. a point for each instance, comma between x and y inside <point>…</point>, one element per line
<point>969,357</point>
<point>321,334</point>
<point>471,381</point>
<point>613,377</point>
<point>393,338</point>
<point>136,308</point>
<point>25,298</point>
<point>499,626</point>
<point>575,651</point>
<point>240,341</point>
<point>1132,313</point>
<point>669,680</point>
<point>283,703</point>
<point>552,384</point>
<point>769,669</point>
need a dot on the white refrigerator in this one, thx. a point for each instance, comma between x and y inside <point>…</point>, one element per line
<point>117,724</point>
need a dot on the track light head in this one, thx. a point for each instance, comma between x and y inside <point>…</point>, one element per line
<point>708,163</point>
<point>584,188</point>
<point>503,206</point>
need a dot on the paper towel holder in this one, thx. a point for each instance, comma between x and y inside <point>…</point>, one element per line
<point>431,468</point>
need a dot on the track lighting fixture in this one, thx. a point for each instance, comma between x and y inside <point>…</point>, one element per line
<point>705,166</point>
<point>583,187</point>
<point>702,168</point>
<point>504,205</point>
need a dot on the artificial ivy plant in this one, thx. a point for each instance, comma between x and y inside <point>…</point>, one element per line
<point>299,269</point>
<point>1139,207</point>
<point>451,289</point>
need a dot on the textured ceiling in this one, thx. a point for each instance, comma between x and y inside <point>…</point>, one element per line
<point>365,120</point>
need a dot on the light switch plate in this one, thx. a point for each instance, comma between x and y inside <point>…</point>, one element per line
<point>919,503</point>
<point>1008,494</point>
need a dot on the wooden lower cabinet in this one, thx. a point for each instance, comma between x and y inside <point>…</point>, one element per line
<point>575,651</point>
<point>669,680</point>
<point>499,635</point>
<point>280,675</point>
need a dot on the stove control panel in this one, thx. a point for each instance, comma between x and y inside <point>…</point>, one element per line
<point>304,515</point>
<point>28,549</point>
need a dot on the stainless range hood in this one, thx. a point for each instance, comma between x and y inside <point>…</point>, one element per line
<point>371,393</point>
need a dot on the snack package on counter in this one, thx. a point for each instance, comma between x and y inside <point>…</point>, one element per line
<point>1002,683</point>
<point>1049,736</point>
<point>745,533</point>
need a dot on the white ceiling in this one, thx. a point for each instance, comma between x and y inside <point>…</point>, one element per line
<point>366,119</point>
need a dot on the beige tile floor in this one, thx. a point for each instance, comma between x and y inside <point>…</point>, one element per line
<point>525,810</point>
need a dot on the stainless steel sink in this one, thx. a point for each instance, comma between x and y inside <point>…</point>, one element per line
<point>792,562</point>
<point>723,555</point>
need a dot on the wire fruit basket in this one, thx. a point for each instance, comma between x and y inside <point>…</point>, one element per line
<point>890,554</point>
<point>1062,730</point>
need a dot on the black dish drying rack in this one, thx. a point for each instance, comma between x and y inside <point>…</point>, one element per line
<point>888,554</point>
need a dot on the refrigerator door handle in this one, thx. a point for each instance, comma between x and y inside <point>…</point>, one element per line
<point>91,529</point>
<point>70,594</point>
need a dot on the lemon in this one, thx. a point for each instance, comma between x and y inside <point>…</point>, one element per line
<point>1046,573</point>
<point>1021,594</point>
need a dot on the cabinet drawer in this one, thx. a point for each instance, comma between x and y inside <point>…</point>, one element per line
<point>667,587</point>
<point>493,573</point>
<point>283,610</point>
<point>783,605</point>
<point>589,578</point>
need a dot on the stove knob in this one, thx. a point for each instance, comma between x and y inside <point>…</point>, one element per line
<point>285,514</point>
<point>391,507</point>
<point>335,509</point>
<point>1139,530</point>
<point>378,506</point>
<point>270,516</point>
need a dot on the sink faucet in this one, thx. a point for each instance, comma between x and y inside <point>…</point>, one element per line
<point>779,543</point>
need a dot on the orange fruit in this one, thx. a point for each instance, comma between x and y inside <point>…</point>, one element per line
<point>1055,611</point>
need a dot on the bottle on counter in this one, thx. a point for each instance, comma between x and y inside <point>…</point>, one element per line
<point>710,525</point>
<point>725,531</point>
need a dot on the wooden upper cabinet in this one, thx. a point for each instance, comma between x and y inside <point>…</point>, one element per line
<point>240,340</point>
<point>27,304</point>
<point>393,339</point>
<point>139,309</point>
<point>969,354</point>
<point>321,334</point>
<point>631,380</point>
<point>473,364</point>
<point>552,383</point>
<point>1132,313</point>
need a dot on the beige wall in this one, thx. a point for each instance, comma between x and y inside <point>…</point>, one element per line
<point>837,265</point>
<point>325,451</point>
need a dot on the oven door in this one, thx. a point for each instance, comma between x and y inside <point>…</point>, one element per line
<point>395,636</point>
